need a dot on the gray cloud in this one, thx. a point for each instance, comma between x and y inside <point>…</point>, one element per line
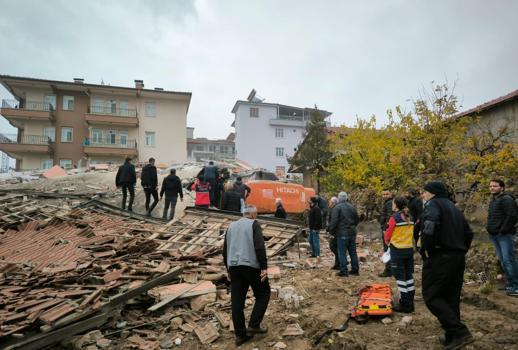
<point>349,58</point>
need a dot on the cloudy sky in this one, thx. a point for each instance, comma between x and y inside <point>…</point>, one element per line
<point>354,58</point>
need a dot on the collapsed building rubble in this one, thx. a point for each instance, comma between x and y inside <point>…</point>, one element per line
<point>66,271</point>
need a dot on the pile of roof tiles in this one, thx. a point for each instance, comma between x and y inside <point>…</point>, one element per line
<point>79,267</point>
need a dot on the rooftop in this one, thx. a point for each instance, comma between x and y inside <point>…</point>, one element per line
<point>490,104</point>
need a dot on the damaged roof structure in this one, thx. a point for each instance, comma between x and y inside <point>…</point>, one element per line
<point>67,271</point>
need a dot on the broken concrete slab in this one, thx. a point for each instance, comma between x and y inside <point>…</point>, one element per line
<point>293,329</point>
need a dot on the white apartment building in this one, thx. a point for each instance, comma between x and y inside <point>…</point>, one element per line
<point>268,133</point>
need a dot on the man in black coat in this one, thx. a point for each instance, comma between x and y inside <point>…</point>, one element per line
<point>501,220</point>
<point>385,214</point>
<point>149,181</point>
<point>315,225</point>
<point>172,188</point>
<point>210,175</point>
<point>231,199</point>
<point>126,179</point>
<point>280,212</point>
<point>446,237</point>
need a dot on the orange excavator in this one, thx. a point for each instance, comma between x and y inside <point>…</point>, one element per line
<point>294,197</point>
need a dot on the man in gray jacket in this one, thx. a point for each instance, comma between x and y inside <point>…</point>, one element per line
<point>244,254</point>
<point>344,220</point>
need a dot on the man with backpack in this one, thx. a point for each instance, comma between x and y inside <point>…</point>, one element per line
<point>501,220</point>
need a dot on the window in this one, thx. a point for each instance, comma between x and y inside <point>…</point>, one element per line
<point>65,163</point>
<point>200,148</point>
<point>254,112</point>
<point>47,164</point>
<point>97,136</point>
<point>111,136</point>
<point>50,132</point>
<point>223,149</point>
<point>279,151</point>
<point>279,132</point>
<point>68,103</point>
<point>50,102</point>
<point>123,108</point>
<point>67,134</point>
<point>150,139</point>
<point>123,136</point>
<point>150,109</point>
<point>98,106</point>
<point>112,106</point>
<point>212,148</point>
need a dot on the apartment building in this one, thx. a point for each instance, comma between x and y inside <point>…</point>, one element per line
<point>65,123</point>
<point>201,148</point>
<point>268,133</point>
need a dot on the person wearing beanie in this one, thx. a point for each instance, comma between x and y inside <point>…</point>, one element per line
<point>315,225</point>
<point>344,219</point>
<point>446,238</point>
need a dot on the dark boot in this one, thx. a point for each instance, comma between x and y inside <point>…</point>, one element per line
<point>458,342</point>
<point>256,330</point>
<point>240,340</point>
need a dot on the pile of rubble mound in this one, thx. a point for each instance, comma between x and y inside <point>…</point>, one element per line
<point>65,271</point>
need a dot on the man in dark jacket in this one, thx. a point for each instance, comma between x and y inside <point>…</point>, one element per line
<point>315,225</point>
<point>126,178</point>
<point>415,207</point>
<point>280,212</point>
<point>501,220</point>
<point>210,175</point>
<point>244,254</point>
<point>149,181</point>
<point>332,242</point>
<point>322,204</point>
<point>446,237</point>
<point>231,199</point>
<point>242,188</point>
<point>385,214</point>
<point>344,219</point>
<point>172,187</point>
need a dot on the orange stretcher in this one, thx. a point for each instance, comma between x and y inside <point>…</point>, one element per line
<point>374,300</point>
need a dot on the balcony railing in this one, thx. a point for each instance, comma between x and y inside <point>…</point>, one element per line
<point>109,142</point>
<point>118,112</point>
<point>291,117</point>
<point>25,139</point>
<point>27,105</point>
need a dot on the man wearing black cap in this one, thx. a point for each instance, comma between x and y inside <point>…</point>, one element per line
<point>446,237</point>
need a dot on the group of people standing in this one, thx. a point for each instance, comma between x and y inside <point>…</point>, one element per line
<point>212,189</point>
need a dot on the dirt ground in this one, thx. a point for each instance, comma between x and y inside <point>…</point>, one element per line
<point>490,315</point>
<point>492,318</point>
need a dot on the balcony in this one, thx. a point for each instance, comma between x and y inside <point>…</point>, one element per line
<point>110,147</point>
<point>101,115</point>
<point>288,120</point>
<point>16,146</point>
<point>18,111</point>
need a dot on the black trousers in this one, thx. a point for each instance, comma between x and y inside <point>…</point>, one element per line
<point>151,192</point>
<point>402,266</point>
<point>443,275</point>
<point>241,278</point>
<point>170,201</point>
<point>334,248</point>
<point>125,189</point>
<point>212,192</point>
